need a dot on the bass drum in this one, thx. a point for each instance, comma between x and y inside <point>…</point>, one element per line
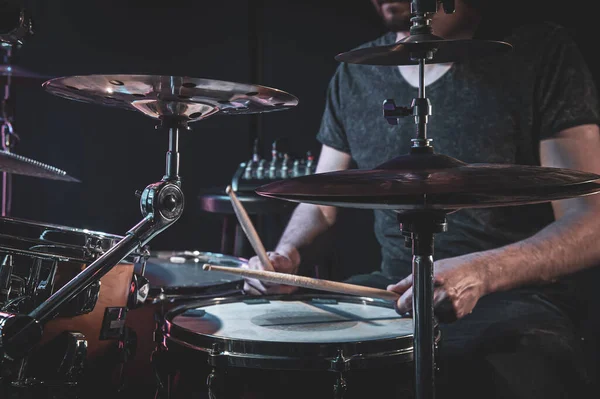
<point>296,346</point>
<point>175,278</point>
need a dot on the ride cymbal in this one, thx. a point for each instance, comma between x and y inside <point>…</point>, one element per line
<point>20,165</point>
<point>171,96</point>
<point>433,181</point>
<point>407,51</point>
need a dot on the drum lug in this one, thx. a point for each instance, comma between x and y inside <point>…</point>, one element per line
<point>113,323</point>
<point>215,381</point>
<point>138,291</point>
<point>83,303</point>
<point>340,364</point>
<point>215,356</point>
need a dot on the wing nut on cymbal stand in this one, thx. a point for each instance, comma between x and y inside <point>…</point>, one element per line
<point>161,205</point>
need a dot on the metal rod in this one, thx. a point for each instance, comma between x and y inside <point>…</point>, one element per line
<point>172,170</point>
<point>6,194</point>
<point>423,6</point>
<point>93,272</point>
<point>424,344</point>
<point>255,47</point>
<point>421,78</point>
<point>422,120</point>
<point>6,118</point>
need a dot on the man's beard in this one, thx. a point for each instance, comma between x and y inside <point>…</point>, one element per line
<point>396,23</point>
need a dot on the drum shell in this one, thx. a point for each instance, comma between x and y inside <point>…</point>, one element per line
<point>114,293</point>
<point>187,373</point>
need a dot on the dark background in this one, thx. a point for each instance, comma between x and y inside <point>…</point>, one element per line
<point>289,45</point>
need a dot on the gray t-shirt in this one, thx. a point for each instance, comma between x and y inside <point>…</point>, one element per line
<point>488,110</point>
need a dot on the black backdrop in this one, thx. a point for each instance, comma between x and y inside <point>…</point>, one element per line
<point>116,152</point>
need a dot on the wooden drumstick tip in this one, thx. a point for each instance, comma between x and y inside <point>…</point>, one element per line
<point>206,267</point>
<point>228,190</point>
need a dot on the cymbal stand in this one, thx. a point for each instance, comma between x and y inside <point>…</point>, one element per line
<point>8,41</point>
<point>161,204</point>
<point>420,226</point>
<point>7,134</point>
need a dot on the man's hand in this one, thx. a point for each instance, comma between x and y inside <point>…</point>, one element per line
<point>281,263</point>
<point>459,282</point>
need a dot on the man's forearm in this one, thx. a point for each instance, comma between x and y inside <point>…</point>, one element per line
<point>307,223</point>
<point>566,246</point>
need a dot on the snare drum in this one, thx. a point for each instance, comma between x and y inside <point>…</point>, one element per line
<point>36,260</point>
<point>324,346</point>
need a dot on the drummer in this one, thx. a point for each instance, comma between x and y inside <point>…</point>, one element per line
<point>501,268</point>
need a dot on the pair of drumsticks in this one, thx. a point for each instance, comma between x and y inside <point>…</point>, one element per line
<point>284,278</point>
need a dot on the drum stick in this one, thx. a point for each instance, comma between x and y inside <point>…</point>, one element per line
<point>248,228</point>
<point>307,282</point>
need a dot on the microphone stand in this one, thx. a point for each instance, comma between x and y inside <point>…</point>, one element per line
<point>161,204</point>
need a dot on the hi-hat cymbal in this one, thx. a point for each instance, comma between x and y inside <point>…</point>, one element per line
<point>20,165</point>
<point>20,75</point>
<point>164,96</point>
<point>405,51</point>
<point>433,181</point>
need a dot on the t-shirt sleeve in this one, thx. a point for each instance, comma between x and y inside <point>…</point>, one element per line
<point>332,131</point>
<point>565,92</point>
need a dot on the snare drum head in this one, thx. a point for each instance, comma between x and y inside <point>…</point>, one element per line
<point>318,320</point>
<point>181,272</point>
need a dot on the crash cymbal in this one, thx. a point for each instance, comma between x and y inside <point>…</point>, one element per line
<point>405,51</point>
<point>164,96</point>
<point>20,165</point>
<point>20,75</point>
<point>433,181</point>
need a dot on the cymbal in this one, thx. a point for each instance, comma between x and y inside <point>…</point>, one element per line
<point>404,51</point>
<point>20,75</point>
<point>163,96</point>
<point>433,181</point>
<point>20,165</point>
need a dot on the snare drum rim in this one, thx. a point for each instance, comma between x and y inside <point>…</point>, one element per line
<point>287,355</point>
<point>167,254</point>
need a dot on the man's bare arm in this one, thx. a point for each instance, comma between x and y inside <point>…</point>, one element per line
<point>569,244</point>
<point>309,221</point>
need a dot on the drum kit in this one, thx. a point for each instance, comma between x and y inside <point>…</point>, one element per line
<point>170,317</point>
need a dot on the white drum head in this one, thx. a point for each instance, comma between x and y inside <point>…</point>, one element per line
<point>296,321</point>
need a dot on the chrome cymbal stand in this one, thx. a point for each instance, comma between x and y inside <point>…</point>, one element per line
<point>419,227</point>
<point>9,40</point>
<point>7,134</point>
